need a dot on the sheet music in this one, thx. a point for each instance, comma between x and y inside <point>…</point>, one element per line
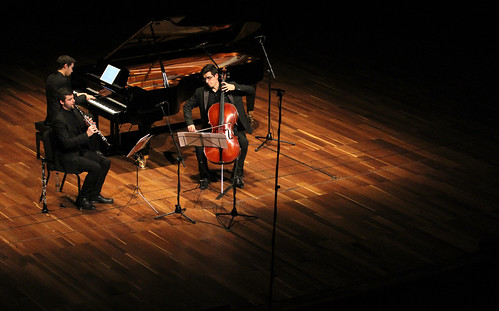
<point>217,140</point>
<point>140,144</point>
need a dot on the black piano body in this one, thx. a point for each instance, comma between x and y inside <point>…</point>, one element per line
<point>140,94</point>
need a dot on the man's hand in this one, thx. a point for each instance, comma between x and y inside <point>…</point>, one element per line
<point>87,96</point>
<point>91,130</point>
<point>226,87</point>
<point>191,128</point>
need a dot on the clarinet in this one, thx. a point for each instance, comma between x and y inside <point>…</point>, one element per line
<point>87,121</point>
<point>43,197</point>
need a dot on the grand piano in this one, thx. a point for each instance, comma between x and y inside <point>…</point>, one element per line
<point>157,68</point>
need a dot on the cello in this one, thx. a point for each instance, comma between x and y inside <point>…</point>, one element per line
<point>222,118</point>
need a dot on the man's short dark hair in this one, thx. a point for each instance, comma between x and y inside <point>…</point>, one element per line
<point>64,60</point>
<point>63,92</point>
<point>209,68</point>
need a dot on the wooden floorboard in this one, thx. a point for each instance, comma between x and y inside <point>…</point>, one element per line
<point>376,195</point>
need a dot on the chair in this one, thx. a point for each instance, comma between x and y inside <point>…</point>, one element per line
<point>40,127</point>
<point>48,138</point>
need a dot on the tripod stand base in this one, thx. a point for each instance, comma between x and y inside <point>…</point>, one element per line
<point>234,213</point>
<point>178,210</point>
<point>269,138</point>
<point>139,192</point>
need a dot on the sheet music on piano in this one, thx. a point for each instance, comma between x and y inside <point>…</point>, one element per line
<point>110,74</point>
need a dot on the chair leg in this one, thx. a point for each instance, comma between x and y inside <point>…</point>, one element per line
<point>62,183</point>
<point>38,139</point>
<point>79,183</point>
<point>64,180</point>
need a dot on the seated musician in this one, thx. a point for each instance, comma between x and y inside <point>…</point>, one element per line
<point>72,138</point>
<point>208,95</point>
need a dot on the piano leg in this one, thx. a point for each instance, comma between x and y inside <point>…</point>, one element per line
<point>115,131</point>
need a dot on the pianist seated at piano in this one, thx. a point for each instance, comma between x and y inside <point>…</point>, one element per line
<point>204,98</point>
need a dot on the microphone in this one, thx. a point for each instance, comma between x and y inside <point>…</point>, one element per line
<point>201,44</point>
<point>161,104</point>
<point>261,37</point>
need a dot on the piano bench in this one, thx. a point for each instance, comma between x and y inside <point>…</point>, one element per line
<point>40,127</point>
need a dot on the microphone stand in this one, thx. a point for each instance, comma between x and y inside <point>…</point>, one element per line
<point>178,208</point>
<point>202,45</point>
<point>163,72</point>
<point>280,93</point>
<point>180,159</point>
<point>271,76</point>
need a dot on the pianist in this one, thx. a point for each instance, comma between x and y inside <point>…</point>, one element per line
<point>57,80</point>
<point>208,95</point>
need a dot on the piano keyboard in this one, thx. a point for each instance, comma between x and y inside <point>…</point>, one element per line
<point>108,104</point>
<point>102,106</point>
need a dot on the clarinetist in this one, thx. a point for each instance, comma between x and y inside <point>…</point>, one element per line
<point>72,138</point>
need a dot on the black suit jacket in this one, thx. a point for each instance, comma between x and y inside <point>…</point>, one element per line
<point>54,83</point>
<point>200,99</point>
<point>69,138</point>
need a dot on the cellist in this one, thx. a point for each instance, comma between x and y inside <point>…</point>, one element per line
<point>204,98</point>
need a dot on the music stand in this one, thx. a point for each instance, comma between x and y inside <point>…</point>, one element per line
<point>141,143</point>
<point>178,208</point>
<point>205,139</point>
<point>202,139</point>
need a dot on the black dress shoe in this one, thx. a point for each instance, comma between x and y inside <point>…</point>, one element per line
<point>238,182</point>
<point>84,203</point>
<point>101,199</point>
<point>203,183</point>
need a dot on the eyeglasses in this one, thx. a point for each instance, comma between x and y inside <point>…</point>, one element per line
<point>208,77</point>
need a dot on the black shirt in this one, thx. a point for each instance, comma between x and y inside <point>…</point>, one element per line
<point>214,97</point>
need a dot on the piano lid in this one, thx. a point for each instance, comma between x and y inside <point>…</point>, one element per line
<point>172,35</point>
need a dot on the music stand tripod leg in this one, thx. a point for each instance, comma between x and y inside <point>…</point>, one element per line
<point>141,143</point>
<point>138,191</point>
<point>178,208</point>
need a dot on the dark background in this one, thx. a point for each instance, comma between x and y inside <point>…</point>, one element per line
<point>450,49</point>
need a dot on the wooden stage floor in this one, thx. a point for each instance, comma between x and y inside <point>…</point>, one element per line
<point>381,202</point>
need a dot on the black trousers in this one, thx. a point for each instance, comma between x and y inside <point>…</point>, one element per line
<point>238,171</point>
<point>97,167</point>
